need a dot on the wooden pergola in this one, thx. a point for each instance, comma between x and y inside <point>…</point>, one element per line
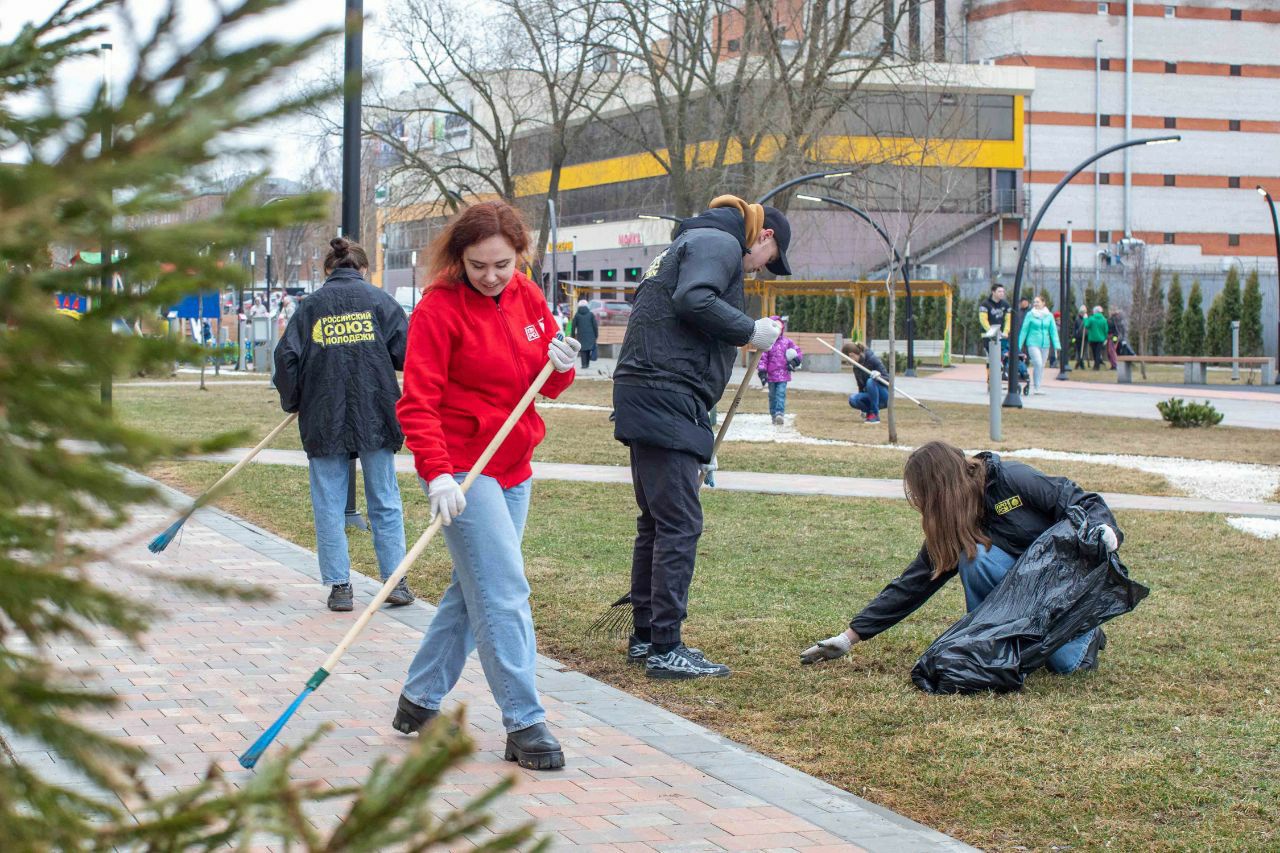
<point>857,292</point>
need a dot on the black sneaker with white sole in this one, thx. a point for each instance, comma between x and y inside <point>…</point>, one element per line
<point>682,663</point>
<point>638,651</point>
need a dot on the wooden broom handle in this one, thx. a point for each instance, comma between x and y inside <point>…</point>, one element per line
<point>271,436</point>
<point>752,363</point>
<point>418,547</point>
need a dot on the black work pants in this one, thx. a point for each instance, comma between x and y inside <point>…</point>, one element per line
<point>667,531</point>
<point>585,355</point>
<point>1099,350</point>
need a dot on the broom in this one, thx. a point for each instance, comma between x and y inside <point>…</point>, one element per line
<point>254,752</point>
<point>616,620</point>
<point>162,541</point>
<point>885,382</point>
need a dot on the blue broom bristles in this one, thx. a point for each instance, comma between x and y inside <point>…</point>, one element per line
<point>162,541</point>
<point>253,753</point>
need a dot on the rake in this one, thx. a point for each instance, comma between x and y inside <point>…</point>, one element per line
<point>254,752</point>
<point>162,541</point>
<point>936,417</point>
<point>617,618</point>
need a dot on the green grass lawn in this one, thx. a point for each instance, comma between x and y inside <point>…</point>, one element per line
<point>587,436</point>
<point>1174,744</point>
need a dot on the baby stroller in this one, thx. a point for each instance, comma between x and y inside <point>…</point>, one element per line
<point>1024,375</point>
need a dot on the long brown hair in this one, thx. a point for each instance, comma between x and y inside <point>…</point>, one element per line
<point>478,222</point>
<point>947,489</point>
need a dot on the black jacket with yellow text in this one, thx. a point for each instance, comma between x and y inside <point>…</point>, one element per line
<point>1020,503</point>
<point>336,367</point>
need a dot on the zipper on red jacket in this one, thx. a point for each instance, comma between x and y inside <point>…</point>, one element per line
<point>515,360</point>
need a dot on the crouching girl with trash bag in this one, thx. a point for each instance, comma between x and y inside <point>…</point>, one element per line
<point>478,338</point>
<point>980,514</point>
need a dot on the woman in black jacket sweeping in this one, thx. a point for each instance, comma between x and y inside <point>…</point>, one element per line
<point>979,515</point>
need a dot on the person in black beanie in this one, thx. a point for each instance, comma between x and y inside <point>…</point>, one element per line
<point>676,359</point>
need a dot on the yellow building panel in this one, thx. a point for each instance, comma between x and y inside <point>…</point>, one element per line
<point>955,153</point>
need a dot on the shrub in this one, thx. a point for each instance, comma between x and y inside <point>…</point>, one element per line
<point>1183,415</point>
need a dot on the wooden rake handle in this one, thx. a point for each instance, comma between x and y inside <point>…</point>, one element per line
<point>418,547</point>
<point>753,363</point>
<point>881,379</point>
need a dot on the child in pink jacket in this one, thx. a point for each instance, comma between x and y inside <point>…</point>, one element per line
<point>775,370</point>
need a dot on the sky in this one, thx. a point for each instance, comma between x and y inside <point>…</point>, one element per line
<point>78,81</point>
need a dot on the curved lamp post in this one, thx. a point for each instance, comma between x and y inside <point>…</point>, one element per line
<point>1275,226</point>
<point>812,176</point>
<point>1013,399</point>
<point>897,258</point>
<point>658,217</point>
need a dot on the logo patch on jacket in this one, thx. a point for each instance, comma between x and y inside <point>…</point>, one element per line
<point>531,333</point>
<point>1008,505</point>
<point>341,329</point>
<point>655,265</point>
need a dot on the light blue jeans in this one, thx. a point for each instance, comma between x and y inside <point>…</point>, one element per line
<point>872,400</point>
<point>777,398</point>
<point>983,574</point>
<point>485,607</point>
<point>329,505</point>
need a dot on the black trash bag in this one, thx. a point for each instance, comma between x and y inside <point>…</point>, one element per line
<point>1060,588</point>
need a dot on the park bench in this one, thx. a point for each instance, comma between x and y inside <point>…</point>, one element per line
<point>1193,367</point>
<point>923,348</point>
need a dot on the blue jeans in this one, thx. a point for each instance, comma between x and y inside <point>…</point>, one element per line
<point>777,398</point>
<point>485,607</point>
<point>872,400</point>
<point>329,504</point>
<point>983,574</point>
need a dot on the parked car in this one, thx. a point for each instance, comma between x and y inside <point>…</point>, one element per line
<point>611,312</point>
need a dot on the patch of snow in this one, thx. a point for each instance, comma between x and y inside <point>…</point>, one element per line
<point>582,407</point>
<point>1263,528</point>
<point>1220,481</point>
<point>760,429</point>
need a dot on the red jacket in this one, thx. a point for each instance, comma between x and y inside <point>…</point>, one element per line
<point>468,362</point>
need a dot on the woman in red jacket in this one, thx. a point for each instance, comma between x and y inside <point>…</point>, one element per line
<point>479,336</point>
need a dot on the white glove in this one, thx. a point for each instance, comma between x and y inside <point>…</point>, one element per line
<point>829,649</point>
<point>765,334</point>
<point>447,498</point>
<point>706,469</point>
<point>1108,538</point>
<point>875,374</point>
<point>792,355</point>
<point>563,352</point>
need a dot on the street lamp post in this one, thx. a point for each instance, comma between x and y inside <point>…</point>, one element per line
<point>1064,291</point>
<point>1013,399</point>
<point>658,217</point>
<point>1275,227</point>
<point>413,279</point>
<point>897,259</point>
<point>812,176</point>
<point>353,85</point>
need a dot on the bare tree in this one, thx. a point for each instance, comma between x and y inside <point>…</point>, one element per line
<point>731,96</point>
<point>492,81</point>
<point>1146,305</point>
<point>922,164</point>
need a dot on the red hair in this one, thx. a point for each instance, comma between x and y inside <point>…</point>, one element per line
<point>478,222</point>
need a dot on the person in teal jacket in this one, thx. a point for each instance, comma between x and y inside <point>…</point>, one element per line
<point>1095,331</point>
<point>1040,336</point>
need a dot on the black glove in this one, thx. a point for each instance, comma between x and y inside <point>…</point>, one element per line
<point>764,377</point>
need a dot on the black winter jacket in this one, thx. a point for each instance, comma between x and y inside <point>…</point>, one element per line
<point>586,328</point>
<point>871,362</point>
<point>336,367</point>
<point>682,336</point>
<point>1020,504</point>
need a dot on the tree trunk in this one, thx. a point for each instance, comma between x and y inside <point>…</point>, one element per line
<point>892,362</point>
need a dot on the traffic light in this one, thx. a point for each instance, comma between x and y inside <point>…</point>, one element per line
<point>608,275</point>
<point>633,273</point>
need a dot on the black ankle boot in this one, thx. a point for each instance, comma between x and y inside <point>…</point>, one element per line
<point>535,748</point>
<point>410,716</point>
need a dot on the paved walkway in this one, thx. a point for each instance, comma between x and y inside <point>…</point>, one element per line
<point>212,675</point>
<point>792,484</point>
<point>1257,409</point>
